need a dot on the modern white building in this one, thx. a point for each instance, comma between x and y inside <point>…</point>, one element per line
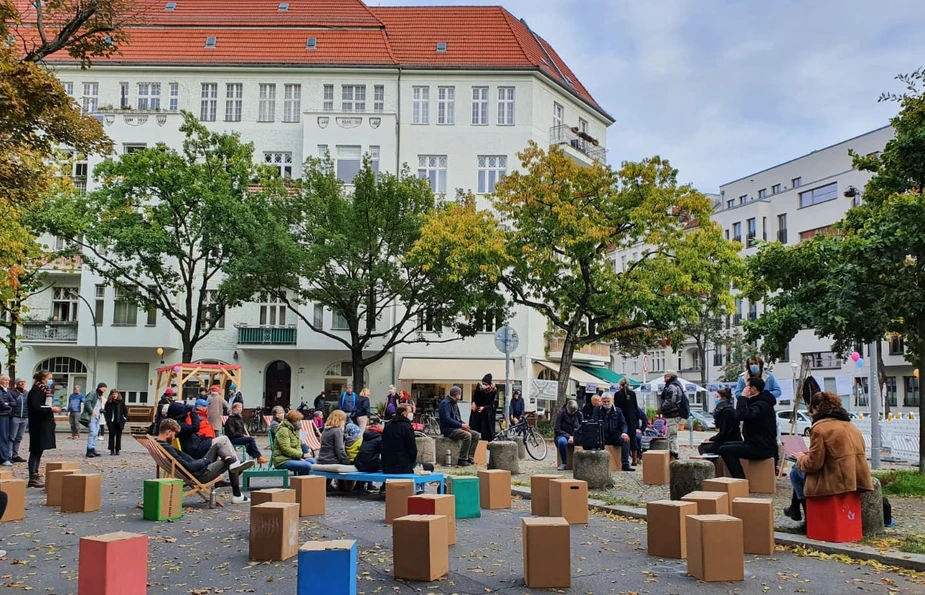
<point>788,203</point>
<point>453,93</point>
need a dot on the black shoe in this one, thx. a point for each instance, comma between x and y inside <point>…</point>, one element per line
<point>628,468</point>
<point>463,463</point>
<point>793,511</point>
<point>18,460</point>
<point>96,454</point>
<point>673,456</point>
<point>91,454</point>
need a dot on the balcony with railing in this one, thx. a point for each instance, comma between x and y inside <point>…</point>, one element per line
<point>50,331</point>
<point>596,352</point>
<point>582,142</point>
<point>266,335</point>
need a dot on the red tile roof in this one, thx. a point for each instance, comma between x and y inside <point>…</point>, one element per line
<point>347,33</point>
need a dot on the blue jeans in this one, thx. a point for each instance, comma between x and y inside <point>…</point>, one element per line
<point>562,445</point>
<point>5,439</point>
<point>798,480</point>
<point>94,432</point>
<point>17,429</point>
<point>298,467</point>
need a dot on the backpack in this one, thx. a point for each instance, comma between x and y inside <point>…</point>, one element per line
<point>591,435</point>
<point>685,406</point>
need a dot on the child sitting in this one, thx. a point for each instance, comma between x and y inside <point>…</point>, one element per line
<point>353,440</point>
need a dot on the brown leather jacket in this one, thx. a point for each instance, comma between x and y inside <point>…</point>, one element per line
<point>836,462</point>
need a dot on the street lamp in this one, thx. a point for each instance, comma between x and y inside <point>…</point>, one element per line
<point>96,337</point>
<point>160,354</point>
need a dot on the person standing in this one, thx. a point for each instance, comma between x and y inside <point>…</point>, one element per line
<point>75,404</point>
<point>482,418</point>
<point>625,401</point>
<point>671,406</point>
<point>566,430</point>
<point>615,429</point>
<point>318,404</point>
<point>115,414</point>
<point>452,427</point>
<point>399,450</point>
<point>234,396</point>
<point>218,407</point>
<point>92,416</point>
<point>19,419</point>
<point>41,424</point>
<point>405,397</point>
<point>348,402</point>
<point>6,413</point>
<point>754,367</point>
<point>391,403</point>
<point>517,407</point>
<point>362,412</point>
<point>755,408</point>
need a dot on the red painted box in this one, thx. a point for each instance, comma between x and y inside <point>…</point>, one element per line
<point>835,518</point>
<point>113,564</point>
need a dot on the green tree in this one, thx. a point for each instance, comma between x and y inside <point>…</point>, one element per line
<point>561,224</point>
<point>706,330</point>
<point>171,229</point>
<point>350,250</point>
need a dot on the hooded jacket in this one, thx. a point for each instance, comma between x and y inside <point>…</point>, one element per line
<point>727,424</point>
<point>759,427</point>
<point>568,425</point>
<point>191,441</point>
<point>367,459</point>
<point>399,450</point>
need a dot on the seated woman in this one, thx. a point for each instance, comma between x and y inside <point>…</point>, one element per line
<point>332,450</point>
<point>727,424</point>
<point>353,440</point>
<point>287,446</point>
<point>836,462</point>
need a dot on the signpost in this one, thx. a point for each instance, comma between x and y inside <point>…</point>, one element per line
<point>507,341</point>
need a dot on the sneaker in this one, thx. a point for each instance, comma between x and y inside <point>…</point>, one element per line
<point>242,499</point>
<point>91,454</point>
<point>2,553</point>
<point>628,468</point>
<point>238,466</point>
<point>262,460</point>
<point>7,464</point>
<point>560,468</point>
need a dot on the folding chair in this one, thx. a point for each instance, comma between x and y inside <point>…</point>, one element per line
<point>173,469</point>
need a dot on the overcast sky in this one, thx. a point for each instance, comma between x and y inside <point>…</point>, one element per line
<point>725,88</point>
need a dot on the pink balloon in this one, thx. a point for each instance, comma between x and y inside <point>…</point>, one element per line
<point>176,368</point>
<point>855,356</point>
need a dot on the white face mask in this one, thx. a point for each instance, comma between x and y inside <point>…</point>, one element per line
<point>410,416</point>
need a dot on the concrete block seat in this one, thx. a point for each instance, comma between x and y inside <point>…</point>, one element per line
<point>350,473</point>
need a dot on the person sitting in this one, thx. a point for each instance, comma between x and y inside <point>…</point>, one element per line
<point>587,412</point>
<point>192,443</point>
<point>353,440</point>
<point>452,427</point>
<point>399,450</point>
<point>368,459</point>
<point>279,414</point>
<point>727,424</point>
<point>318,420</point>
<point>642,421</point>
<point>566,430</point>
<point>836,462</point>
<point>205,469</point>
<point>237,433</point>
<point>755,408</point>
<point>288,451</point>
<point>160,412</point>
<point>517,407</point>
<point>332,440</point>
<point>614,428</point>
<point>206,430</point>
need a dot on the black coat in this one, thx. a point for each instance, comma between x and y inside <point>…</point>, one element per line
<point>41,422</point>
<point>234,427</point>
<point>759,427</point>
<point>399,450</point>
<point>484,422</point>
<point>362,409</point>
<point>367,459</point>
<point>114,412</point>
<point>613,425</point>
<point>517,407</point>
<point>727,426</point>
<point>568,425</point>
<point>625,401</point>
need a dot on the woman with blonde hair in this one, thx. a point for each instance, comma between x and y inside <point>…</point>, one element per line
<point>362,411</point>
<point>332,450</point>
<point>287,446</point>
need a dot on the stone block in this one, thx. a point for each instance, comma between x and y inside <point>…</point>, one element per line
<point>521,448</point>
<point>687,476</point>
<point>593,466</point>
<point>443,444</point>
<point>872,510</point>
<point>427,450</point>
<point>658,444</point>
<point>502,454</point>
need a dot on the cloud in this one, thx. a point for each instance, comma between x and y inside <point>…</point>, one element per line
<point>724,88</point>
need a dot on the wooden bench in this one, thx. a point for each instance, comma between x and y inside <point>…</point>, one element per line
<point>173,469</point>
<point>437,478</point>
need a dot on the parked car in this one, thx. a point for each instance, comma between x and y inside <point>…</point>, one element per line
<point>804,423</point>
<point>705,419</point>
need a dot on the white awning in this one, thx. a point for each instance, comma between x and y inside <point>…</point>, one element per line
<point>579,376</point>
<point>450,370</point>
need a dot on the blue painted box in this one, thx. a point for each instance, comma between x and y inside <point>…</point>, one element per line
<point>328,567</point>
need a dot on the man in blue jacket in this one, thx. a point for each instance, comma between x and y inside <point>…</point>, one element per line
<point>19,419</point>
<point>75,404</point>
<point>517,407</point>
<point>452,426</point>
<point>614,428</point>
<point>348,403</point>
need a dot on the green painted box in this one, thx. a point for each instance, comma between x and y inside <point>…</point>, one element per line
<point>163,499</point>
<point>466,492</point>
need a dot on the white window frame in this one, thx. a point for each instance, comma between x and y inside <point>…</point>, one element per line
<point>234,101</point>
<point>124,312</point>
<point>149,96</point>
<point>378,98</point>
<point>420,104</point>
<point>281,160</point>
<point>491,168</point>
<point>374,155</point>
<point>292,102</point>
<point>68,88</point>
<point>273,311</point>
<point>446,105</point>
<point>266,106</point>
<point>174,100</point>
<point>328,98</point>
<point>208,298</point>
<point>506,106</point>
<point>208,108</point>
<point>90,100</point>
<point>338,321</point>
<point>64,304</point>
<point>353,98</point>
<point>480,106</point>
<point>348,155</point>
<point>433,169</point>
<point>123,96</point>
<point>99,307</point>
<point>558,114</point>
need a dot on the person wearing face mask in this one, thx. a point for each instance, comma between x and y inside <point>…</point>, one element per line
<point>755,409</point>
<point>727,424</point>
<point>615,429</point>
<point>278,415</point>
<point>391,403</point>
<point>399,451</point>
<point>41,424</point>
<point>754,368</point>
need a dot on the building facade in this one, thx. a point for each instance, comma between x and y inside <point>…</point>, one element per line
<point>788,203</point>
<point>451,93</point>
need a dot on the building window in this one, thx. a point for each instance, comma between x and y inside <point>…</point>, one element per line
<point>582,125</point>
<point>775,189</point>
<point>819,195</point>
<point>68,89</point>
<point>796,182</point>
<point>129,148</point>
<point>125,312</point>
<point>292,102</point>
<point>782,228</point>
<point>209,106</point>
<point>911,396</point>
<point>891,391</point>
<point>374,158</point>
<point>433,169</point>
<point>349,160</point>
<point>79,170</point>
<point>480,106</point>
<point>657,358</point>
<point>281,161</point>
<point>100,306</point>
<point>318,316</point>
<point>763,193</point>
<point>150,316</point>
<point>64,304</point>
<point>378,98</point>
<point>730,203</point>
<point>753,311</point>
<point>89,101</point>
<point>338,321</point>
<point>420,105</point>
<point>149,96</point>
<point>827,230</point>
<point>234,94</point>
<point>737,317</point>
<point>742,199</point>
<point>737,231</point>
<point>353,98</point>
<point>487,320</point>
<point>272,310</point>
<point>174,101</point>
<point>446,105</point>
<point>718,356</point>
<point>491,169</point>
<point>727,233</point>
<point>430,321</point>
<point>328,98</point>
<point>897,345</point>
<point>266,107</point>
<point>123,96</point>
<point>751,230</point>
<point>324,153</point>
<point>505,106</point>
<point>558,114</point>
<point>824,360</point>
<point>209,311</point>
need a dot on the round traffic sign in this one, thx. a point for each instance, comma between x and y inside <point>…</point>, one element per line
<point>506,340</point>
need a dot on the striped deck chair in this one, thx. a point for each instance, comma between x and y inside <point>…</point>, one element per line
<point>172,468</point>
<point>310,436</point>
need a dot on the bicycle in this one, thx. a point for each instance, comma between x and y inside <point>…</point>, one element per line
<point>534,442</point>
<point>431,424</point>
<point>255,423</point>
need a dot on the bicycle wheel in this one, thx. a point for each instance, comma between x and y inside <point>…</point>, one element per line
<point>535,444</point>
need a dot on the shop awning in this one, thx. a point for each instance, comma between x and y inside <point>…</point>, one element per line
<point>450,370</point>
<point>608,375</point>
<point>576,374</point>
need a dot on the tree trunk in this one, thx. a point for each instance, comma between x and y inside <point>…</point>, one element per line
<point>358,367</point>
<point>703,366</point>
<point>565,366</point>
<point>881,380</point>
<point>187,354</point>
<point>12,352</point>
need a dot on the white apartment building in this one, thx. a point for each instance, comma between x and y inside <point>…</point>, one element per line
<point>791,202</point>
<point>452,92</point>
